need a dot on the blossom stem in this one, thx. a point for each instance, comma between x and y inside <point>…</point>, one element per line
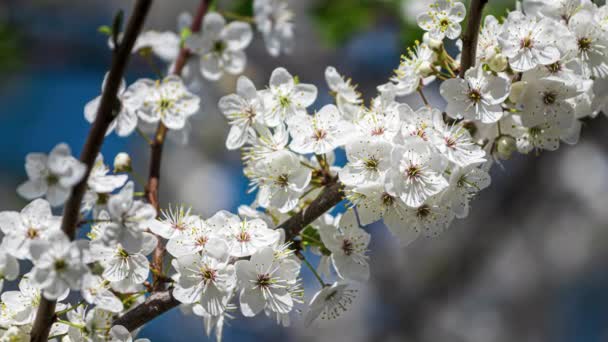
<point>71,324</point>
<point>311,268</point>
<point>156,150</point>
<point>58,336</point>
<point>73,307</point>
<point>105,115</point>
<point>236,16</point>
<point>424,100</point>
<point>138,178</point>
<point>143,135</point>
<point>469,39</point>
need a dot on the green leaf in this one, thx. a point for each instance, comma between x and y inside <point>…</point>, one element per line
<point>105,29</point>
<point>311,238</point>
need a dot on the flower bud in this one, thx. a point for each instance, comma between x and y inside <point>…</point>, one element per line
<point>498,62</point>
<point>426,69</point>
<point>122,162</point>
<point>516,91</point>
<point>435,44</point>
<point>505,146</point>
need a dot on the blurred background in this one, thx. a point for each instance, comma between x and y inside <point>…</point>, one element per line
<point>528,264</point>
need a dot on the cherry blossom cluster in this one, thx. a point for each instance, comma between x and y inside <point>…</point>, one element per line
<point>538,74</point>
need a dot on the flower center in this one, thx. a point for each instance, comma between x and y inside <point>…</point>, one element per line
<point>348,247</point>
<point>320,134</point>
<point>264,280</point>
<point>450,142</point>
<point>444,24</point>
<point>208,275</point>
<point>60,265</point>
<point>423,211</point>
<point>284,101</point>
<point>219,46</point>
<point>122,253</point>
<point>243,236</point>
<point>282,180</point>
<point>413,172</point>
<point>526,43</point>
<point>555,67</point>
<point>201,241</point>
<point>32,233</point>
<point>371,164</point>
<point>51,179</point>
<point>474,95</point>
<point>387,200</point>
<point>378,131</point>
<point>165,104</point>
<point>549,98</point>
<point>584,44</point>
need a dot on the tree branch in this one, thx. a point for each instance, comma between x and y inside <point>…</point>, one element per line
<point>329,197</point>
<point>45,315</point>
<point>155,305</point>
<point>156,151</point>
<point>469,39</point>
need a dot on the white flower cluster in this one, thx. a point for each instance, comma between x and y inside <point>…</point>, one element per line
<point>538,73</point>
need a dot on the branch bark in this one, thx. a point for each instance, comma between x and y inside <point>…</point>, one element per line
<point>156,152</point>
<point>469,39</point>
<point>155,305</point>
<point>329,197</point>
<point>45,315</point>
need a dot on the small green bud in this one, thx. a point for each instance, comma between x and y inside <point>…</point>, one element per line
<point>122,162</point>
<point>505,146</point>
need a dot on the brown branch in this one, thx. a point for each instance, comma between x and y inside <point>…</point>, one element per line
<point>45,315</point>
<point>329,197</point>
<point>156,152</point>
<point>155,305</point>
<point>469,39</point>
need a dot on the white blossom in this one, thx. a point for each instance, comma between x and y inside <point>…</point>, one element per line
<point>348,99</point>
<point>95,290</point>
<point>123,266</point>
<point>285,97</point>
<point>167,101</point>
<point>244,237</point>
<point>528,41</point>
<point>320,133</point>
<point>348,245</point>
<point>125,120</point>
<point>478,96</point>
<point>243,110</point>
<point>59,264</point>
<point>274,19</point>
<point>443,19</point>
<point>52,176</point>
<point>264,283</point>
<point>416,174</point>
<point>330,302</point>
<point>206,278</point>
<point>281,181</point>
<point>220,46</point>
<point>34,222</point>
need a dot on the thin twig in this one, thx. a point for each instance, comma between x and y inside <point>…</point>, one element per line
<point>311,268</point>
<point>469,39</point>
<point>156,152</point>
<point>45,315</point>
